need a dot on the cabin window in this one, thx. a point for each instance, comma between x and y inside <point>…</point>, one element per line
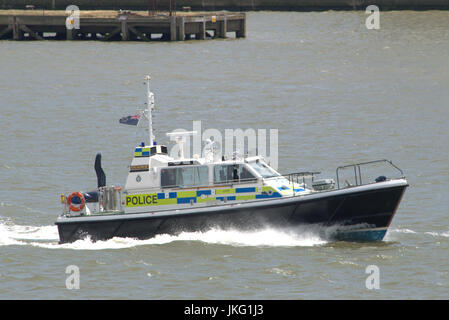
<point>202,177</point>
<point>185,176</point>
<point>245,174</point>
<point>168,177</point>
<point>262,169</point>
<point>232,173</point>
<point>223,174</point>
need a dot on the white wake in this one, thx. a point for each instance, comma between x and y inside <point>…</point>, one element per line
<point>47,237</point>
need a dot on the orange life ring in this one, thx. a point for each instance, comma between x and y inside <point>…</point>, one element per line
<point>76,206</point>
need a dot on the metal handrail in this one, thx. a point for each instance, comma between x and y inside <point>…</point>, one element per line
<point>295,177</point>
<point>358,172</point>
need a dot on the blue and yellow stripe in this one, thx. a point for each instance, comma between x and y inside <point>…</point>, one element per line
<point>142,152</point>
<point>200,196</point>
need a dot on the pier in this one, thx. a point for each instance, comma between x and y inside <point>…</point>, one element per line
<point>124,26</point>
<point>231,5</point>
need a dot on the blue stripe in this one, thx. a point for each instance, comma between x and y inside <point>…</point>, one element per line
<point>161,195</point>
<point>138,150</point>
<point>299,189</point>
<point>266,196</point>
<point>228,198</point>
<point>201,192</point>
<point>242,190</point>
<point>186,200</point>
<point>172,195</point>
<point>145,153</point>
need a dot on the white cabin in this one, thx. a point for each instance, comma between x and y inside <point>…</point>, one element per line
<point>157,181</point>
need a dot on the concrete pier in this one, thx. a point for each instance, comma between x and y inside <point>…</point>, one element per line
<point>110,25</point>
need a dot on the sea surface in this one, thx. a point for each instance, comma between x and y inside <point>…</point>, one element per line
<point>337,93</point>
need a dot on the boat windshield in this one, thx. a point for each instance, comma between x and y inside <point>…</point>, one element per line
<point>262,169</point>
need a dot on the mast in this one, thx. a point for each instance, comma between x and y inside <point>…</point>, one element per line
<point>150,104</point>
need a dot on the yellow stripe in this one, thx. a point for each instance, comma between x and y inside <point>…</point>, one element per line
<point>268,188</point>
<point>143,200</point>
<point>200,200</point>
<point>166,201</point>
<point>249,197</point>
<point>186,194</point>
<point>224,191</point>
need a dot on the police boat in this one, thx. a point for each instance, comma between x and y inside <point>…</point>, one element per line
<point>167,195</point>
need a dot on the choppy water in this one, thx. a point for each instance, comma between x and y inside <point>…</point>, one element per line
<point>337,92</point>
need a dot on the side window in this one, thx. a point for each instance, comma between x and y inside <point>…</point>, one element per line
<point>168,177</point>
<point>245,174</point>
<point>194,176</point>
<point>202,178</point>
<point>185,177</point>
<point>221,174</point>
<point>231,173</point>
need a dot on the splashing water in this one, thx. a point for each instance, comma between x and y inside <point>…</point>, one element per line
<point>11,234</point>
<point>47,237</point>
<point>393,234</point>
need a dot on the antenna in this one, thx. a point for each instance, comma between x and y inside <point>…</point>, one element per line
<point>150,105</point>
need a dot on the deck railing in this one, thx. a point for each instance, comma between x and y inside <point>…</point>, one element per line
<point>357,168</point>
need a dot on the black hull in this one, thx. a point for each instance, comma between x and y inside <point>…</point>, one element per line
<point>363,214</point>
